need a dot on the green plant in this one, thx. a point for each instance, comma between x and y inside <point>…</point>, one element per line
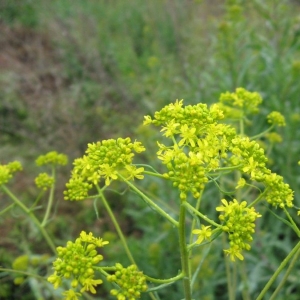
<point>202,146</point>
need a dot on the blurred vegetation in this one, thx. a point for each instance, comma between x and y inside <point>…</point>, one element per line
<point>73,72</point>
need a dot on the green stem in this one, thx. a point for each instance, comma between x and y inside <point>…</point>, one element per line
<point>50,200</point>
<point>116,224</point>
<point>154,174</point>
<point>147,166</point>
<point>242,126</point>
<point>7,208</point>
<point>280,268</point>
<point>184,254</point>
<point>111,268</point>
<point>31,216</point>
<point>231,168</point>
<point>295,227</point>
<point>22,273</point>
<point>190,207</point>
<point>255,137</point>
<point>257,199</point>
<point>33,206</point>
<point>245,280</point>
<point>173,279</point>
<point>229,275</point>
<point>197,206</point>
<point>149,201</point>
<point>200,264</point>
<point>285,277</point>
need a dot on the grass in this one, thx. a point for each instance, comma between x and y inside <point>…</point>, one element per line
<point>77,73</point>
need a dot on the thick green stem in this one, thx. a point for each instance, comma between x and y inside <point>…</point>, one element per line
<point>116,224</point>
<point>31,216</point>
<point>184,254</point>
<point>280,268</point>
<point>50,200</point>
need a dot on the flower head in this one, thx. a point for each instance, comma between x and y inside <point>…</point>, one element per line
<point>103,160</point>
<point>7,171</point>
<point>238,221</point>
<point>52,158</point>
<point>241,100</point>
<point>277,193</point>
<point>131,282</point>
<point>276,118</point>
<point>76,261</point>
<point>200,138</point>
<point>89,238</point>
<point>44,181</point>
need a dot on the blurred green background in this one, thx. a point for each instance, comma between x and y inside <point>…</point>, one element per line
<point>74,72</point>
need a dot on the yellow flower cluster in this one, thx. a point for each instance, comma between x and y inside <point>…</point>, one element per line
<point>7,171</point>
<point>276,118</point>
<point>250,159</point>
<point>131,282</point>
<point>240,103</point>
<point>198,143</point>
<point>76,261</point>
<point>44,181</point>
<point>238,221</point>
<point>52,158</point>
<point>103,160</point>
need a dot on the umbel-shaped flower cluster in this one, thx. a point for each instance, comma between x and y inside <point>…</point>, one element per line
<point>238,221</point>
<point>76,262</point>
<point>7,171</point>
<point>240,103</point>
<point>103,160</point>
<point>197,143</point>
<point>131,282</point>
<point>201,149</point>
<point>44,181</point>
<point>52,158</point>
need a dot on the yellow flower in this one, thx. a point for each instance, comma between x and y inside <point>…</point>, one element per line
<point>226,208</point>
<point>89,238</point>
<point>203,234</point>
<point>234,252</point>
<point>55,280</point>
<point>71,295</point>
<point>109,173</point>
<point>241,183</point>
<point>170,128</point>
<point>188,135</point>
<point>134,172</point>
<point>89,283</point>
